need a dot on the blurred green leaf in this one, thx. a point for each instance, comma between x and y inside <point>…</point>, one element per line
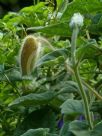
<point>36,132</point>
<point>97,131</point>
<point>79,128</point>
<point>89,51</point>
<point>2,68</point>
<point>72,107</point>
<point>53,56</point>
<point>61,29</point>
<point>85,7</point>
<point>33,99</point>
<point>64,130</point>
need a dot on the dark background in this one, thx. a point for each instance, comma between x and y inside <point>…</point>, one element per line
<point>13,5</point>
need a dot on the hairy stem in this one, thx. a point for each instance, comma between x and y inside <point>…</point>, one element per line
<point>77,76</point>
<point>73,45</point>
<point>84,97</point>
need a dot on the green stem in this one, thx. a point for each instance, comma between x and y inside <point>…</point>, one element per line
<point>77,76</point>
<point>73,45</point>
<point>85,100</point>
<point>92,90</point>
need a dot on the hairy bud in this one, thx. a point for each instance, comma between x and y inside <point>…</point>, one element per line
<point>77,19</point>
<point>28,55</point>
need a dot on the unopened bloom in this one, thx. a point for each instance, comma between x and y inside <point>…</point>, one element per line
<point>76,20</point>
<point>29,53</point>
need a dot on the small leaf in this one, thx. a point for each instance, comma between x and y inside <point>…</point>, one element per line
<point>97,131</point>
<point>79,128</point>
<point>1,68</point>
<point>90,50</point>
<point>71,106</point>
<point>64,130</point>
<point>67,87</point>
<point>52,56</point>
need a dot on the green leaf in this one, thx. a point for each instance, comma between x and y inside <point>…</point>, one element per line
<point>79,128</point>
<point>82,6</point>
<point>61,29</point>
<point>1,68</point>
<point>71,106</point>
<point>64,130</point>
<point>96,26</point>
<point>97,131</point>
<point>95,29</point>
<point>54,62</point>
<point>50,57</point>
<point>89,51</point>
<point>33,15</point>
<point>67,87</point>
<point>33,99</point>
<point>49,134</point>
<point>35,8</point>
<point>36,132</point>
<point>97,106</point>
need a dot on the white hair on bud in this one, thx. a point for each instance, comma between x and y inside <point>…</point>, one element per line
<point>29,53</point>
<point>77,19</point>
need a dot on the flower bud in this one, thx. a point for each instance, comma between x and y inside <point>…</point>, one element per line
<point>29,54</point>
<point>76,20</point>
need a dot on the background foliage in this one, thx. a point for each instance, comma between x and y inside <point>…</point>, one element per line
<point>48,102</point>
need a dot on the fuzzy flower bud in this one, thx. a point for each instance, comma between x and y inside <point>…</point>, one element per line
<point>76,20</point>
<point>29,54</point>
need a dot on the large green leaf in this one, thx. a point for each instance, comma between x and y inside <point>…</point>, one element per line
<point>79,128</point>
<point>33,99</point>
<point>36,132</point>
<point>61,29</point>
<point>82,6</point>
<point>71,106</point>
